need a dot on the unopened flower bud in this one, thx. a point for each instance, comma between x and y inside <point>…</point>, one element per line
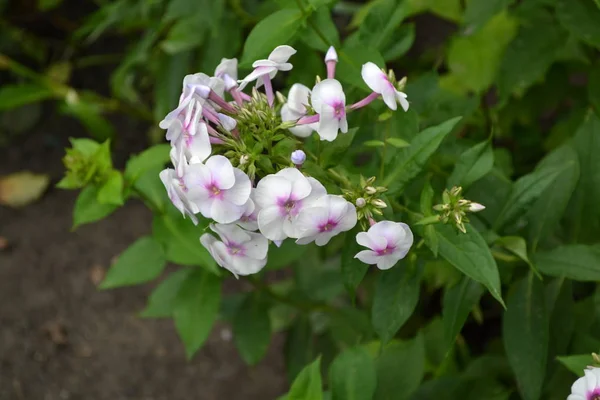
<point>371,180</point>
<point>244,159</point>
<point>476,207</point>
<point>298,157</point>
<point>331,55</point>
<point>360,202</point>
<point>230,83</point>
<point>280,97</point>
<point>402,84</point>
<point>370,190</point>
<point>379,203</point>
<point>227,122</point>
<point>381,189</point>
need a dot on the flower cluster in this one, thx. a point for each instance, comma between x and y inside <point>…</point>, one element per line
<point>239,163</point>
<point>588,386</point>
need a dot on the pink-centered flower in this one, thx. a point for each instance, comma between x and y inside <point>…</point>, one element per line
<point>227,67</point>
<point>219,190</point>
<point>190,140</point>
<point>295,108</point>
<point>277,61</point>
<point>388,242</point>
<point>249,218</point>
<point>239,251</point>
<point>176,191</point>
<point>379,82</point>
<point>281,197</point>
<point>587,387</point>
<point>329,101</point>
<point>327,217</point>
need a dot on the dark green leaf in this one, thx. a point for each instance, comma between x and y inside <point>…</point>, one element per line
<point>87,208</point>
<point>276,29</point>
<point>252,329</point>
<point>352,375</point>
<point>196,309</point>
<point>46,5</point>
<point>395,383</point>
<point>395,299</point>
<point>321,18</point>
<point>111,191</point>
<point>580,17</point>
<point>377,30</point>
<point>298,348</point>
<point>143,261</point>
<point>285,255</point>
<point>576,261</point>
<point>478,13</point>
<point>470,254</point>
<point>561,309</point>
<point>168,77</point>
<point>161,303</point>
<point>472,165</point>
<point>332,152</point>
<point>577,363</point>
<point>525,334</point>
<point>353,270</point>
<point>12,96</point>
<point>411,160</point>
<point>458,302</point>
<point>403,41</point>
<point>307,385</point>
<point>352,59</point>
<point>151,189</point>
<point>187,33</point>
<point>594,88</point>
<point>151,158</point>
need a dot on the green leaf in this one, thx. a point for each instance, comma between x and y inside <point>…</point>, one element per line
<point>478,13</point>
<point>561,309</point>
<point>403,41</point>
<point>411,160</point>
<point>87,208</point>
<point>474,60</point>
<point>472,165</point>
<point>334,151</point>
<point>397,142</point>
<point>352,58</point>
<point>457,303</point>
<point>545,214</point>
<point>448,9</point>
<point>353,270</point>
<point>352,375</point>
<point>469,253</point>
<point>46,5</point>
<point>298,349</point>
<point>181,241</point>
<point>168,77</point>
<point>321,18</point>
<point>576,261</point>
<point>395,299</point>
<point>580,17</point>
<point>525,334</point>
<point>161,303</point>
<point>594,88</point>
<point>394,383</point>
<point>111,192</point>
<point>285,255</point>
<point>276,29</point>
<point>187,33</point>
<point>577,363</point>
<point>143,261</point>
<point>151,189</point>
<point>196,309</point>
<point>252,329</point>
<point>90,116</point>
<point>12,96</point>
<point>374,143</point>
<point>307,385</point>
<point>377,29</point>
<point>583,210</point>
<point>151,158</point>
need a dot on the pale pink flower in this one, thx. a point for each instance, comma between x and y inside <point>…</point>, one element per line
<point>388,243</point>
<point>329,101</point>
<point>277,61</point>
<point>379,82</point>
<point>327,217</point>
<point>295,108</point>
<point>176,191</point>
<point>587,387</point>
<point>249,218</point>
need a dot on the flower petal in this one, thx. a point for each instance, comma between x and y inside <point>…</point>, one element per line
<point>371,241</point>
<point>328,124</point>
<point>367,256</point>
<point>401,97</point>
<point>239,193</point>
<point>281,54</point>
<point>221,171</point>
<point>257,247</point>
<point>270,223</point>
<point>301,187</point>
<point>389,98</point>
<point>231,233</point>
<point>298,98</point>
<point>387,262</point>
<point>224,212</point>
<point>270,189</point>
<point>327,91</point>
<point>247,265</point>
<point>374,77</point>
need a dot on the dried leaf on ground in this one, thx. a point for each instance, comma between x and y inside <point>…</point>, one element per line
<point>22,188</point>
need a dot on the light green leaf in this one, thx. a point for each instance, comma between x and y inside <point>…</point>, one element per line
<point>143,261</point>
<point>472,165</point>
<point>411,160</point>
<point>525,334</point>
<point>161,303</point>
<point>307,385</point>
<point>397,142</point>
<point>196,309</point>
<point>374,143</point>
<point>478,12</point>
<point>395,383</point>
<point>474,60</point>
<point>87,208</point>
<point>457,303</point>
<point>403,41</point>
<point>181,240</point>
<point>577,363</point>
<point>352,375</point>
<point>576,261</point>
<point>470,254</point>
<point>517,246</point>
<point>91,117</point>
<point>353,270</point>
<point>448,9</point>
<point>580,17</point>
<point>352,58</point>
<point>153,157</point>
<point>377,29</point>
<point>252,329</point>
<point>276,29</point>
<point>395,299</point>
<point>12,96</point>
<point>111,192</point>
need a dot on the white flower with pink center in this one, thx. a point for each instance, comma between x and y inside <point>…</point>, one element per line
<point>265,70</point>
<point>191,140</point>
<point>388,243</point>
<point>379,82</point>
<point>329,101</point>
<point>176,191</point>
<point>281,197</point>
<point>326,218</point>
<point>587,387</point>
<point>295,108</point>
<point>249,218</point>
<point>239,251</point>
<point>227,71</point>
<point>219,190</point>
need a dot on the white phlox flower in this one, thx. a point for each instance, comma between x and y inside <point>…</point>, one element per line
<point>327,217</point>
<point>295,108</point>
<point>329,101</point>
<point>239,251</point>
<point>379,82</point>
<point>194,143</point>
<point>277,61</point>
<point>587,387</point>
<point>176,191</point>
<point>281,197</point>
<point>218,190</point>
<point>249,218</point>
<point>388,243</point>
<point>227,71</point>
<point>298,157</point>
<point>196,83</point>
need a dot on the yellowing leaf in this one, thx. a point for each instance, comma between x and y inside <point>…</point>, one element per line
<point>22,188</point>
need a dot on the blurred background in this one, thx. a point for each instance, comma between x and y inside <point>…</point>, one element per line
<point>111,69</point>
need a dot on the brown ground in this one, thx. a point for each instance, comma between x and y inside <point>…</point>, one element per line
<point>60,338</point>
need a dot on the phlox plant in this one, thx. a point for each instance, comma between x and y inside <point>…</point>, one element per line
<point>372,221</point>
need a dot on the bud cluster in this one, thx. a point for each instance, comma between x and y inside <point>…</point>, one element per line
<point>454,208</point>
<point>367,200</point>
